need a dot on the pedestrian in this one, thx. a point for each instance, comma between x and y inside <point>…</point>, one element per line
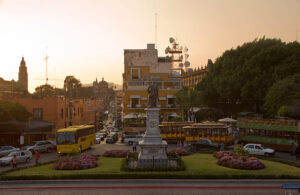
<point>134,146</point>
<point>15,161</point>
<point>37,157</point>
<point>294,147</point>
<point>222,146</point>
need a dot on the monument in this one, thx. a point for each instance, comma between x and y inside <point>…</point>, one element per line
<point>153,148</point>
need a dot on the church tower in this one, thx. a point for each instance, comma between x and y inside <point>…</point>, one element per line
<point>23,75</point>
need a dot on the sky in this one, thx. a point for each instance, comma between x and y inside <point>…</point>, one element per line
<point>87,38</point>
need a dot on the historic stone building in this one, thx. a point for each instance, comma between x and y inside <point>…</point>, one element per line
<point>16,87</point>
<point>192,77</point>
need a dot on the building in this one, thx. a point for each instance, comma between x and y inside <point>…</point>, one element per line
<point>104,93</point>
<point>143,67</point>
<point>61,111</point>
<point>15,87</point>
<point>192,77</point>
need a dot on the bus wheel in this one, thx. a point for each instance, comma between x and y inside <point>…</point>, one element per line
<point>80,149</point>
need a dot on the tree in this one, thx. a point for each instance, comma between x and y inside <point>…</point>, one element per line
<point>284,96</point>
<point>71,86</point>
<point>240,79</point>
<point>13,111</point>
<point>44,91</point>
<point>188,98</point>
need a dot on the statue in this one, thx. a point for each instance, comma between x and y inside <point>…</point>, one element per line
<point>152,95</point>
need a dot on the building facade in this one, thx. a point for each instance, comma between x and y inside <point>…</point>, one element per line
<point>61,111</point>
<point>118,107</point>
<point>192,77</point>
<point>143,67</point>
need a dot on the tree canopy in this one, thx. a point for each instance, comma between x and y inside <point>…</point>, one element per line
<point>13,111</point>
<point>240,79</point>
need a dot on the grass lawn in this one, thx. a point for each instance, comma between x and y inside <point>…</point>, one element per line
<point>197,166</point>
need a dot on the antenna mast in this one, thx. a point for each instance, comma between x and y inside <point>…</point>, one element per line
<point>155,29</point>
<point>46,60</point>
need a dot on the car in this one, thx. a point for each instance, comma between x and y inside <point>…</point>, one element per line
<point>115,130</point>
<point>112,138</point>
<point>130,139</point>
<point>258,149</point>
<point>98,140</point>
<point>104,132</point>
<point>5,150</point>
<point>204,144</point>
<point>22,156</point>
<point>40,146</point>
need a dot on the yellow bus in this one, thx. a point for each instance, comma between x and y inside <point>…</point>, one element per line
<point>75,139</point>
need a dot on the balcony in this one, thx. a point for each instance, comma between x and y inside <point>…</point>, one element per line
<point>172,84</point>
<point>163,107</point>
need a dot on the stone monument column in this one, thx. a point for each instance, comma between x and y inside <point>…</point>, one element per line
<point>153,148</point>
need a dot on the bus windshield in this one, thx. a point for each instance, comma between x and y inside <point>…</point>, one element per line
<point>66,138</point>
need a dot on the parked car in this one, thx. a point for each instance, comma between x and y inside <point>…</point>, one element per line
<point>205,144</point>
<point>41,146</point>
<point>98,140</point>
<point>130,139</point>
<point>112,138</point>
<point>22,156</point>
<point>258,149</point>
<point>104,132</point>
<point>5,150</point>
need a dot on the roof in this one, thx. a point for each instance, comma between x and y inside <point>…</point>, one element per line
<point>75,128</point>
<point>268,127</point>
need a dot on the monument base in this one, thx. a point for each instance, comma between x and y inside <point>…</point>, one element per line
<point>153,148</point>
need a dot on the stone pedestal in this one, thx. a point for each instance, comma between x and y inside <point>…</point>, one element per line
<point>153,148</point>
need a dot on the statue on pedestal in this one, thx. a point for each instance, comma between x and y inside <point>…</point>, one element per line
<point>152,95</point>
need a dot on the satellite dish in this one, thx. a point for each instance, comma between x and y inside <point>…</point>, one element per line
<point>171,39</point>
<point>167,50</point>
<point>180,65</point>
<point>187,63</point>
<point>186,49</point>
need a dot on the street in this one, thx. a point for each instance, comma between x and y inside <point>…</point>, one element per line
<point>142,186</point>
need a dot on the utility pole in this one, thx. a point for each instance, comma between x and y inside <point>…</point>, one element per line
<point>46,60</point>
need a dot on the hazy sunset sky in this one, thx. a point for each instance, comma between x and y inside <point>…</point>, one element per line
<point>86,38</point>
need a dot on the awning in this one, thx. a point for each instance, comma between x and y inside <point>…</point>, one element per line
<point>134,115</point>
<point>227,120</point>
<point>173,114</point>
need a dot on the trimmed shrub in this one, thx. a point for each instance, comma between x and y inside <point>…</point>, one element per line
<point>116,153</point>
<point>243,162</point>
<point>85,161</point>
<point>178,152</point>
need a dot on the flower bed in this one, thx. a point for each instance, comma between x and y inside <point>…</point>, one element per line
<point>116,153</point>
<point>178,152</point>
<point>231,160</point>
<point>85,161</point>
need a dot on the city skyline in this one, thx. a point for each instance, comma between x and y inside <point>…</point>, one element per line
<point>87,38</point>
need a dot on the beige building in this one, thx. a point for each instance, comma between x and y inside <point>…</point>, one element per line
<point>143,67</point>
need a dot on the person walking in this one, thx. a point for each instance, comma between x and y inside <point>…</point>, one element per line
<point>37,157</point>
<point>134,146</point>
<point>14,161</point>
<point>222,146</point>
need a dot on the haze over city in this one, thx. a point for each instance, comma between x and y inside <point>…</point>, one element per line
<point>87,38</point>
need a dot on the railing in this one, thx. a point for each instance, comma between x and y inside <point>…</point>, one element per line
<point>163,85</point>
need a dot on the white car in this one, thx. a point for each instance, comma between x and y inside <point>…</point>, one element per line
<point>22,156</point>
<point>258,149</point>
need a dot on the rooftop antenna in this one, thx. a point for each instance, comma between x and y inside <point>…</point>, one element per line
<point>46,60</point>
<point>155,29</point>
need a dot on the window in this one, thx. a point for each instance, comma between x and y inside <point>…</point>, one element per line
<point>258,148</point>
<point>134,102</point>
<point>38,114</point>
<point>171,101</point>
<point>250,147</point>
<point>135,73</point>
<point>62,113</point>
